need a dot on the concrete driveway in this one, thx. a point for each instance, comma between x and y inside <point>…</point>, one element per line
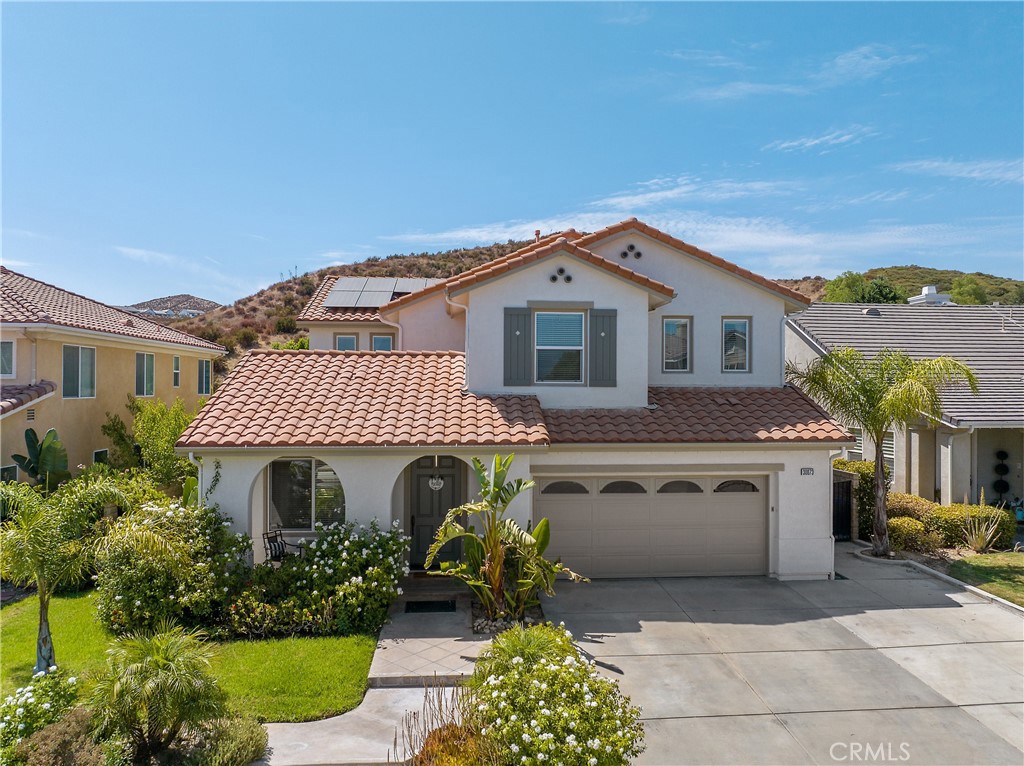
<point>886,666</point>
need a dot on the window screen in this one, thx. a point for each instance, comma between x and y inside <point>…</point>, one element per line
<point>345,342</point>
<point>676,345</point>
<point>735,350</point>
<point>559,347</point>
<point>79,376</point>
<point>7,358</point>
<point>144,378</point>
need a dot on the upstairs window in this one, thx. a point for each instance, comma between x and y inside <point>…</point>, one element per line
<point>176,371</point>
<point>675,344</point>
<point>7,368</point>
<point>735,344</point>
<point>856,452</point>
<point>382,342</point>
<point>346,342</point>
<point>79,375</point>
<point>145,367</point>
<point>558,346</point>
<point>204,376</point>
<point>889,451</point>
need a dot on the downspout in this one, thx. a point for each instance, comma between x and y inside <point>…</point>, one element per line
<point>782,347</point>
<point>398,333</point>
<point>32,341</point>
<point>199,468</point>
<point>465,339</point>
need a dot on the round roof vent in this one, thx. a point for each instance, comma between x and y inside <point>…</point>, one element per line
<point>871,312</point>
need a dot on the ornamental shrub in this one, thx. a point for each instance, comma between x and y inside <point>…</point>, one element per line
<point>236,741</point>
<point>863,492</point>
<point>555,710</point>
<point>45,700</point>
<point>948,521</point>
<point>343,583</point>
<point>67,742</point>
<point>137,593</point>
<point>914,507</point>
<point>908,534</point>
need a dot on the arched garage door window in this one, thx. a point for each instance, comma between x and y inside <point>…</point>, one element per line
<point>564,488</point>
<point>623,488</point>
<point>737,485</point>
<point>304,491</point>
<point>680,486</point>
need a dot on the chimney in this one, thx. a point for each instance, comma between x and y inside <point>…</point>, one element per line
<point>930,296</point>
<point>536,235</point>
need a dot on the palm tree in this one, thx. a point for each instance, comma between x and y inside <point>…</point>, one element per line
<point>48,542</point>
<point>880,394</point>
<point>156,686</point>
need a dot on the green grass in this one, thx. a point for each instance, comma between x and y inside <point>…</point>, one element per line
<point>1001,574</point>
<point>292,679</point>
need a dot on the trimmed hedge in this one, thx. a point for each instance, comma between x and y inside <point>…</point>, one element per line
<point>863,492</point>
<point>898,504</point>
<point>948,522</point>
<point>908,534</point>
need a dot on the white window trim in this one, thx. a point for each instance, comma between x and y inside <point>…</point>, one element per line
<point>747,365</point>
<point>354,336</point>
<point>14,360</point>
<point>15,467</point>
<point>312,480</point>
<point>95,376</point>
<point>689,343</point>
<point>582,348</point>
<point>374,337</point>
<point>176,371</point>
<point>204,364</point>
<point>153,380</point>
<point>98,451</point>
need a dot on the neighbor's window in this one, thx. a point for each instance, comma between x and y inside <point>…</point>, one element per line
<point>346,342</point>
<point>856,452</point>
<point>79,372</point>
<point>675,344</point>
<point>176,371</point>
<point>382,342</point>
<point>205,366</point>
<point>559,346</point>
<point>889,451</point>
<point>145,365</point>
<point>304,491</point>
<point>9,473</point>
<point>7,358</point>
<point>735,345</point>
<point>101,456</point>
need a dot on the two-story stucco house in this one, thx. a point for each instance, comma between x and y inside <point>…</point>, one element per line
<point>638,380</point>
<point>67,360</point>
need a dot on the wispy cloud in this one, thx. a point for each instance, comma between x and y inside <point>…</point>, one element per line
<point>146,256</point>
<point>181,265</point>
<point>13,263</point>
<point>857,65</point>
<point>340,256</point>
<point>836,138</point>
<point>988,171</point>
<point>625,14</point>
<point>671,189</point>
<point>705,58</point>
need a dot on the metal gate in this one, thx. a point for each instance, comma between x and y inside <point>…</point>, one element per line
<point>842,509</point>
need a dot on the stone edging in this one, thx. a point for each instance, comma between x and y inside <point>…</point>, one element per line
<point>940,576</point>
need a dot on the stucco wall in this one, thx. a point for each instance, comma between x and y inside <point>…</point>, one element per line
<point>707,294</point>
<point>78,421</point>
<point>484,339</point>
<point>427,326</point>
<point>1011,440</point>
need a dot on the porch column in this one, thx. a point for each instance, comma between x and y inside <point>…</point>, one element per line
<point>945,441</point>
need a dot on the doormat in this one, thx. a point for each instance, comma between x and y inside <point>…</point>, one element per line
<point>419,607</point>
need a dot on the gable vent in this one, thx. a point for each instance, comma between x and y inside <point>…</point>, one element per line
<point>30,414</point>
<point>630,250</point>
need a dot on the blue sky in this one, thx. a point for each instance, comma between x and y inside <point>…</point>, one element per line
<point>152,149</point>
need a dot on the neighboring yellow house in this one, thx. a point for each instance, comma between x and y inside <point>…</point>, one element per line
<point>66,361</point>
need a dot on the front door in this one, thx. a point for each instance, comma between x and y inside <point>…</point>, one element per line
<point>430,506</point>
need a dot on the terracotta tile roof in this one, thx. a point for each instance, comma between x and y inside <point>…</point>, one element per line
<point>526,255</point>
<point>316,311</point>
<point>701,415</point>
<point>359,399</point>
<point>633,224</point>
<point>24,300</point>
<point>14,397</point>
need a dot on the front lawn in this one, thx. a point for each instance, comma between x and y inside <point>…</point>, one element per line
<point>1001,574</point>
<point>291,679</point>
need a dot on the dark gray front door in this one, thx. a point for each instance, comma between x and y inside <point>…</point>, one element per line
<point>430,506</point>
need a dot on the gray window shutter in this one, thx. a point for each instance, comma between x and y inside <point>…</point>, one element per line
<point>518,347</point>
<point>602,347</point>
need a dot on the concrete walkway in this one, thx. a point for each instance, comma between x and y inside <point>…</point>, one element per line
<point>750,670</point>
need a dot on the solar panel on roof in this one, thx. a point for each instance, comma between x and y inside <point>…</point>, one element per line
<point>373,298</point>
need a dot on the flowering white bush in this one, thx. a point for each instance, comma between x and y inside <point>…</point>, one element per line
<point>554,707</point>
<point>137,593</point>
<point>45,700</point>
<point>343,583</point>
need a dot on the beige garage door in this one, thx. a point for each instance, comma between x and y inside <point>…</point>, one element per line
<point>656,526</point>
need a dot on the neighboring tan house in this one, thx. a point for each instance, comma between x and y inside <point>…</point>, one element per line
<point>637,379</point>
<point>66,361</point>
<point>958,456</point>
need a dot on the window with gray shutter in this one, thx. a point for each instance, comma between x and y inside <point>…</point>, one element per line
<point>602,347</point>
<point>518,347</point>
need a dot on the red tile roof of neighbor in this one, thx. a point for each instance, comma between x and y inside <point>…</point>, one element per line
<point>359,399</point>
<point>367,399</point>
<point>632,224</point>
<point>14,397</point>
<point>782,414</point>
<point>553,245</point>
<point>24,300</point>
<point>316,311</point>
